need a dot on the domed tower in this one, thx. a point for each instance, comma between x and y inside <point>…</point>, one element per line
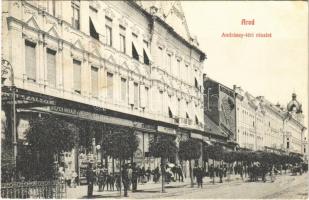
<point>295,109</point>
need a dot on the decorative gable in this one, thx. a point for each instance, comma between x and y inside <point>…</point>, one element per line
<point>78,45</point>
<point>53,32</point>
<point>111,59</point>
<point>32,23</point>
<point>96,52</point>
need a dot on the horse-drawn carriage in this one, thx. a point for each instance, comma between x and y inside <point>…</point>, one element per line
<point>297,169</point>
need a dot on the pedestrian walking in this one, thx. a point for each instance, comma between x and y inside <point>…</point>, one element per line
<point>90,175</point>
<point>180,174</point>
<point>240,170</point>
<point>148,174</point>
<point>68,177</point>
<point>73,181</point>
<point>199,177</point>
<point>125,180</point>
<point>220,172</point>
<point>156,174</point>
<point>134,177</point>
<point>102,180</point>
<point>130,171</point>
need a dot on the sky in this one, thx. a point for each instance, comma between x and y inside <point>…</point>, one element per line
<point>273,67</point>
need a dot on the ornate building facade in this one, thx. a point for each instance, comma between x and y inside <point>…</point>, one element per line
<point>120,63</point>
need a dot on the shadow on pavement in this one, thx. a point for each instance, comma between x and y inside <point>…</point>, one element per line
<point>101,196</point>
<point>147,191</point>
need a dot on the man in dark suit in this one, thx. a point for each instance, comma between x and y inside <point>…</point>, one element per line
<point>90,179</point>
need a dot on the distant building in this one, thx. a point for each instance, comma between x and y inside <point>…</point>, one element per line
<point>262,125</point>
<point>250,121</point>
<point>294,129</point>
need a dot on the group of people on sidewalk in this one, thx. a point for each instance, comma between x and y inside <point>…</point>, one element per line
<point>130,176</point>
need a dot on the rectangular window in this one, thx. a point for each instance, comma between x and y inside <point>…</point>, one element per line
<point>161,102</point>
<point>51,67</point>
<point>123,89</point>
<point>147,96</point>
<point>30,60</point>
<point>76,13</point>
<point>94,81</point>
<point>169,63</point>
<point>54,7</point>
<point>77,76</point>
<point>160,59</point>
<point>51,7</point>
<point>178,69</point>
<point>109,33</point>
<point>134,52</point>
<point>93,32</point>
<point>134,47</point>
<point>186,74</point>
<point>136,96</point>
<point>108,36</point>
<point>122,43</point>
<point>146,58</point>
<point>146,44</point>
<point>110,85</point>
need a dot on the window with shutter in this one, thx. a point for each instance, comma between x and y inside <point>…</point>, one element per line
<point>30,60</point>
<point>170,114</point>
<point>134,52</point>
<point>160,58</point>
<point>123,89</point>
<point>93,32</point>
<point>142,96</point>
<point>76,13</point>
<point>131,92</point>
<point>77,76</point>
<point>94,81</point>
<point>178,69</point>
<point>147,97</point>
<point>136,97</point>
<point>122,43</point>
<point>169,63</point>
<point>146,59</point>
<point>110,85</point>
<point>51,67</point>
<point>122,38</point>
<point>161,102</point>
<point>109,33</point>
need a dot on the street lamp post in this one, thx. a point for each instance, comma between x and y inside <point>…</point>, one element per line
<point>5,68</point>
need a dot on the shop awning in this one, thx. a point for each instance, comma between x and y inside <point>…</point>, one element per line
<point>147,52</point>
<point>138,48</point>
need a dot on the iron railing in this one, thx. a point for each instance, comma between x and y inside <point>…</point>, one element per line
<point>34,190</point>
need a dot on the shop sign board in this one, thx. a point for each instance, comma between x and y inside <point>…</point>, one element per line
<point>92,116</point>
<point>166,130</point>
<point>148,127</point>
<point>22,98</point>
<point>197,136</point>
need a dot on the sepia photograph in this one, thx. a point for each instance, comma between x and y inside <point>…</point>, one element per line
<point>139,99</point>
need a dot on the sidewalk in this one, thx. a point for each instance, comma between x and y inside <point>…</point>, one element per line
<point>80,192</point>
